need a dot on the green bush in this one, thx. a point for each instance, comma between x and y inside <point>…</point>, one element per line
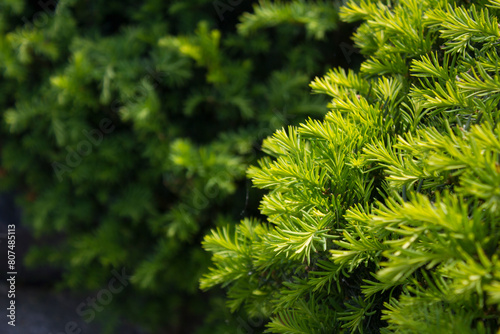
<point>384,217</point>
<point>128,127</point>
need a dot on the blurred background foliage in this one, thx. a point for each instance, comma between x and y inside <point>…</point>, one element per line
<point>127,128</point>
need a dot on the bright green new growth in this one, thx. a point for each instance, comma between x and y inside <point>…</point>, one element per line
<point>384,217</point>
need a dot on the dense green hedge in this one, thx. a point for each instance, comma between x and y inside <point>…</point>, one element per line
<point>384,217</point>
<point>128,126</point>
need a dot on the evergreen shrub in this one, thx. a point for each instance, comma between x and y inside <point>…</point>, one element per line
<point>383,217</point>
<point>127,128</point>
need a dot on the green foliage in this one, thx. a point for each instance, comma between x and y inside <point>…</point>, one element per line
<point>318,17</point>
<point>383,217</point>
<point>128,128</point>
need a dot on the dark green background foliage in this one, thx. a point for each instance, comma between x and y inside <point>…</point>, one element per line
<point>383,217</point>
<point>128,126</point>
